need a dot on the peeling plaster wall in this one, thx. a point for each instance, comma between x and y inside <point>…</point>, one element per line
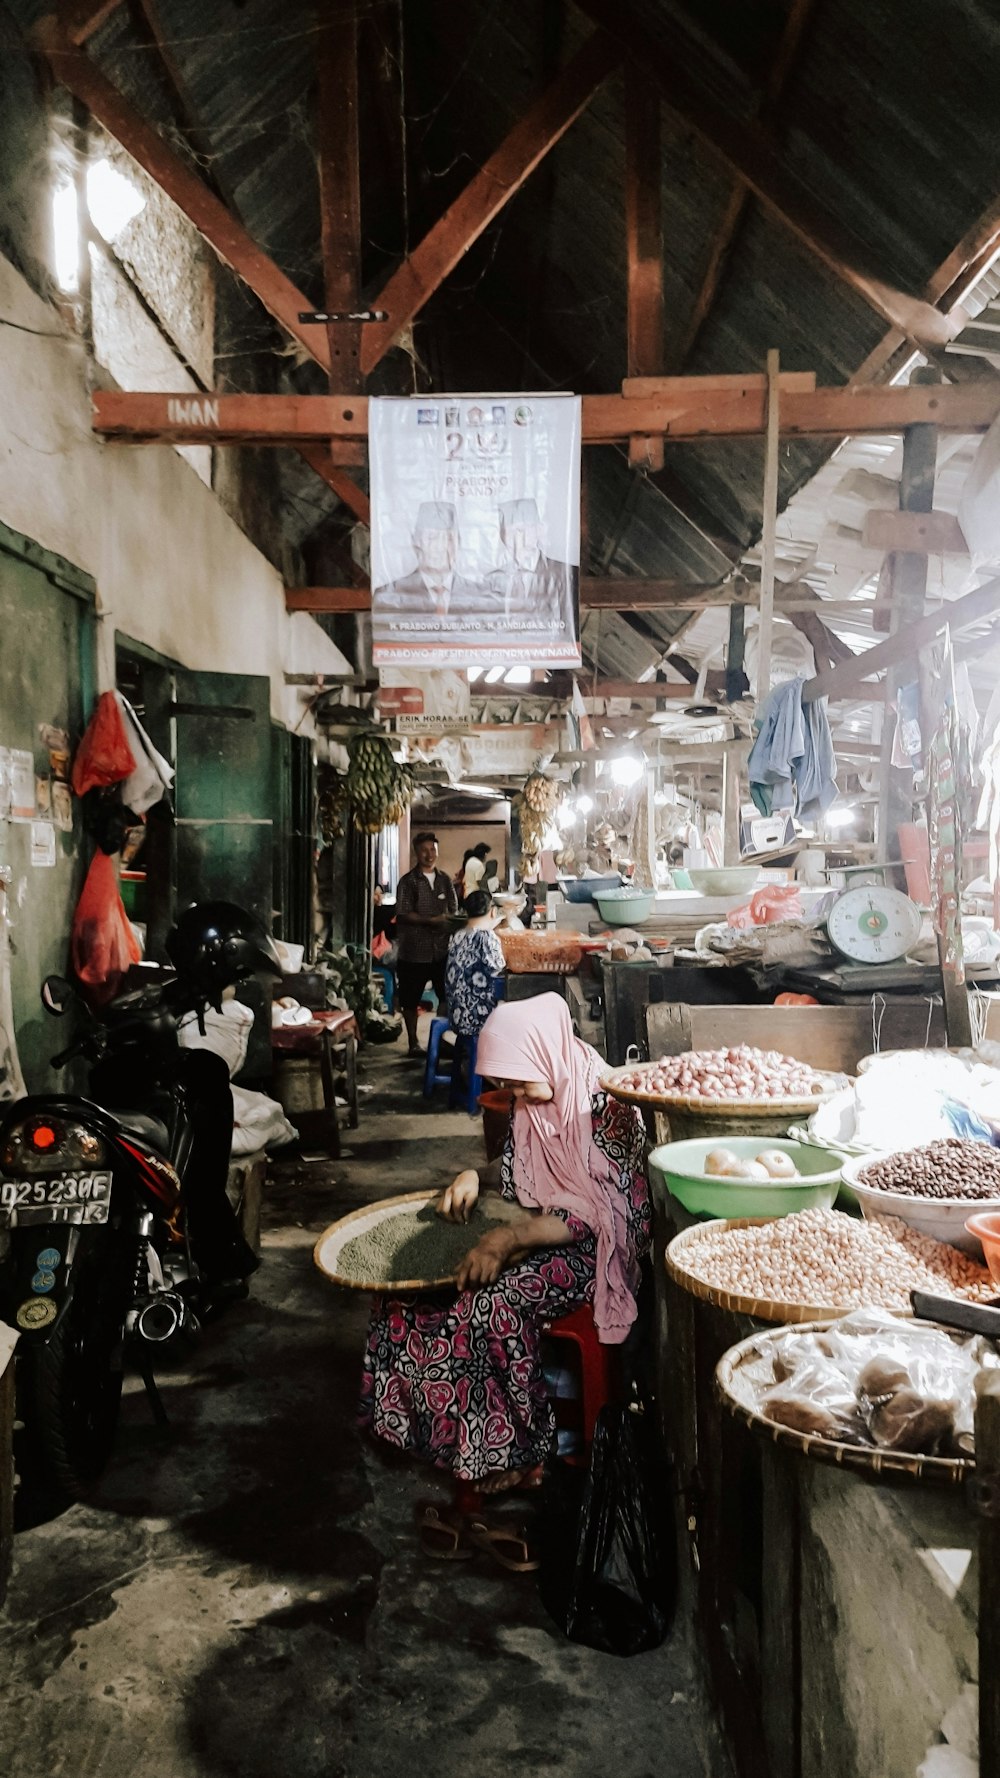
<point>172,570</point>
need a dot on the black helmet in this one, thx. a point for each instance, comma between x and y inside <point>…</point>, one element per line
<point>214,943</point>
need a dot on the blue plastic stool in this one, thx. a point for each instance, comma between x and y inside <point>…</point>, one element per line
<point>388,984</point>
<point>433,1076</point>
<point>464,1067</point>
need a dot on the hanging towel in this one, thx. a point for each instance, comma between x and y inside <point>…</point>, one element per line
<point>149,782</point>
<point>792,763</point>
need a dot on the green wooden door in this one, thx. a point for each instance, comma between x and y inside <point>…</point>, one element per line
<point>46,678</point>
<point>224,797</point>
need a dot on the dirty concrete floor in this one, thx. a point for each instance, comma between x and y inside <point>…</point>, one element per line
<point>245,1595</point>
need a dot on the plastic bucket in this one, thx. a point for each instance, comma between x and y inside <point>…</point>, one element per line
<point>498,1108</point>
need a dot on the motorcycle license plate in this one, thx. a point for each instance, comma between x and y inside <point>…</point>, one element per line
<point>76,1197</point>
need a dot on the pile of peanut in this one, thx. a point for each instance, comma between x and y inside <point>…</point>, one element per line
<point>951,1168</point>
<point>825,1259</point>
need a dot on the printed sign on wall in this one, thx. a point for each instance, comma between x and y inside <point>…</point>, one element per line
<point>475,530</point>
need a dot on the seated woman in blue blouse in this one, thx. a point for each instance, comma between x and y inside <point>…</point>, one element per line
<point>474,959</point>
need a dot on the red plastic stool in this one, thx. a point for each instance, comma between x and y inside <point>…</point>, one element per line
<point>595,1364</point>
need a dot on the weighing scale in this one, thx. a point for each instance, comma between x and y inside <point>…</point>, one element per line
<point>873,927</point>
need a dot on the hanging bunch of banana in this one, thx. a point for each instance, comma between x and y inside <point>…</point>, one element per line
<point>535,807</point>
<point>331,810</point>
<point>380,790</point>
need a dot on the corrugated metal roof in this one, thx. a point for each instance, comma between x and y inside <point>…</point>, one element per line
<point>905,161</point>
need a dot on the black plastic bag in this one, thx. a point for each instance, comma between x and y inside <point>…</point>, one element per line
<point>609,1565</point>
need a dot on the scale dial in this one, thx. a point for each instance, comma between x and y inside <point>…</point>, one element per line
<point>874,924</point>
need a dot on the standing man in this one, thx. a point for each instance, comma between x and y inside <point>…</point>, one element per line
<point>424,899</point>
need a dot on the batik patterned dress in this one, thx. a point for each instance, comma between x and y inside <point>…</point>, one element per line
<point>458,1380</point>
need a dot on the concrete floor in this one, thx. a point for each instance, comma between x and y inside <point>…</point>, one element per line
<point>245,1595</point>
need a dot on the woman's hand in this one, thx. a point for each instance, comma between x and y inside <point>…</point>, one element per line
<point>457,1203</point>
<point>487,1260</point>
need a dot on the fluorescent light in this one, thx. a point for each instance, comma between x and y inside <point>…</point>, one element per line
<point>627,769</point>
<point>66,237</point>
<point>113,201</point>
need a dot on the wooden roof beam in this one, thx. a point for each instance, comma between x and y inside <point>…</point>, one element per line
<point>624,595</point>
<point>750,155</point>
<point>643,244</point>
<point>207,213</point>
<point>79,19</point>
<point>739,195</point>
<point>607,419</point>
<point>525,146</point>
<point>849,679</point>
<point>340,193</point>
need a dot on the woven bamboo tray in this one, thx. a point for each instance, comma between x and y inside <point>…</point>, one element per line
<point>746,1368</point>
<point>680,1116</point>
<point>761,1309</point>
<point>327,1249</point>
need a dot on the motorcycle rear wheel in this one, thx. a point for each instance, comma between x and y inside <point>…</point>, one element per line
<point>69,1391</point>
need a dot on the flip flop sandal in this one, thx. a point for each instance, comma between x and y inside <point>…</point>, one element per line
<point>440,1536</point>
<point>508,1547</point>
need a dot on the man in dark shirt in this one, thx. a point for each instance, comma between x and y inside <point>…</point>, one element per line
<point>424,899</point>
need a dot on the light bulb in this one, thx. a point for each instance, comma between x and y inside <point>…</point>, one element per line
<point>627,769</point>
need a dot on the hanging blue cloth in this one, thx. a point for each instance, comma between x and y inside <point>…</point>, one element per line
<point>792,763</point>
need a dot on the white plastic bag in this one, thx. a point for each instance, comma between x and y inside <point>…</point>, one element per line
<point>258,1122</point>
<point>227,1033</point>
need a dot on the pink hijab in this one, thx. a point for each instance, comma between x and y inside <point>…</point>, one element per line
<point>557,1163</point>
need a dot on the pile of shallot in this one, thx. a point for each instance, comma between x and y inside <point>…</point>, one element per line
<point>741,1073</point>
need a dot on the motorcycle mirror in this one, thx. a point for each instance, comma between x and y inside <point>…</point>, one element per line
<point>57,994</point>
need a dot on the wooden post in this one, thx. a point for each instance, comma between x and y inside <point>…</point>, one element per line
<point>734,658</point>
<point>644,242</point>
<point>340,202</point>
<point>733,759</point>
<point>763,685</point>
<point>987,1487</point>
<point>907,590</point>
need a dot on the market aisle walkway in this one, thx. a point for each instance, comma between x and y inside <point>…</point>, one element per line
<point>245,1597</point>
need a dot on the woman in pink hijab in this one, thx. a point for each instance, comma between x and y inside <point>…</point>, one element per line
<point>458,1381</point>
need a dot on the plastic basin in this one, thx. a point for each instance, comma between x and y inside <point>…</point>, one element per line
<point>985,1225</point>
<point>679,1168</point>
<point>737,879</point>
<point>944,1219</point>
<point>580,889</point>
<point>625,907</point>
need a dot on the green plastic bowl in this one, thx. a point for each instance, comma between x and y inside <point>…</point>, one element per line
<point>625,907</point>
<point>678,1168</point>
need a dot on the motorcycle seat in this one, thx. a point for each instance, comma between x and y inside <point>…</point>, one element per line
<point>151,1129</point>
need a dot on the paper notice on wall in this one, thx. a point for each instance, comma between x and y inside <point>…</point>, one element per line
<point>475,530</point>
<point>62,806</point>
<point>22,785</point>
<point>4,782</point>
<point>43,844</point>
<point>444,693</point>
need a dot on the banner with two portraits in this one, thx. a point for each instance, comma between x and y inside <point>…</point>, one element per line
<point>475,530</point>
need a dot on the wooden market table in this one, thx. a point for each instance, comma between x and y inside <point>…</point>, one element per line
<point>329,1044</point>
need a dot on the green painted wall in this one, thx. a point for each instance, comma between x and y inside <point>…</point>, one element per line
<point>46,676</point>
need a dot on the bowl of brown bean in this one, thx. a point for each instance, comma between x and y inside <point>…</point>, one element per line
<point>934,1188</point>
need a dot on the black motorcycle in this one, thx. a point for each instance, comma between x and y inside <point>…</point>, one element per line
<point>113,1209</point>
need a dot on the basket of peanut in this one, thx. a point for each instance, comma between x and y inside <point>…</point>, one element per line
<point>814,1265</point>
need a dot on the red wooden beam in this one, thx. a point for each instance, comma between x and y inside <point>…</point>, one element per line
<point>531,139</point>
<point>607,419</point>
<point>340,193</point>
<point>644,245</point>
<point>79,19</point>
<point>328,599</point>
<point>209,215</point>
<point>751,156</point>
<point>319,458</point>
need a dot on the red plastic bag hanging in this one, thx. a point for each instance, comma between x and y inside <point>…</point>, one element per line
<point>103,945</point>
<point>104,755</point>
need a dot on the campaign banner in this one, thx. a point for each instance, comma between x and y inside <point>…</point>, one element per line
<point>475,530</point>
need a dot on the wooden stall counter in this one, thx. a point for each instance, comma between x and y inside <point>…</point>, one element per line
<point>313,1065</point>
